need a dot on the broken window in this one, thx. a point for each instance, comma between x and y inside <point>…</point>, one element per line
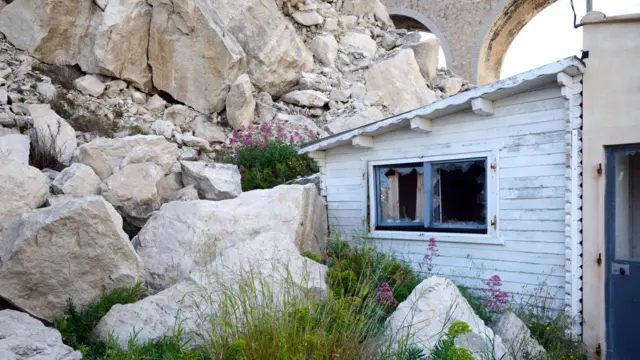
<point>455,199</point>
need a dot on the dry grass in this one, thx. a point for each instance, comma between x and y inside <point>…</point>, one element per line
<point>43,152</point>
<point>62,75</point>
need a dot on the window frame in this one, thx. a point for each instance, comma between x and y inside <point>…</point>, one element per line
<point>491,236</point>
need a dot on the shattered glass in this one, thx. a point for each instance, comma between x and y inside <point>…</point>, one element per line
<point>458,193</point>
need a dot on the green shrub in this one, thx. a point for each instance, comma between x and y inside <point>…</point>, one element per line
<point>315,257</point>
<point>268,157</point>
<point>63,106</point>
<point>169,348</point>
<point>77,325</point>
<point>445,349</point>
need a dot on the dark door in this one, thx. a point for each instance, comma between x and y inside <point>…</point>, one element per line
<point>622,216</point>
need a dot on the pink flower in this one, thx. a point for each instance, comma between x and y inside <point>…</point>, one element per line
<point>385,296</point>
<point>498,299</point>
<point>432,253</point>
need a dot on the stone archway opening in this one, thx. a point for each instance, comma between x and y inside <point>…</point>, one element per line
<point>506,26</point>
<point>414,21</point>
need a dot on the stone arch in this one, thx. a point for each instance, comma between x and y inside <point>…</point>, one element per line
<point>420,22</point>
<point>498,33</point>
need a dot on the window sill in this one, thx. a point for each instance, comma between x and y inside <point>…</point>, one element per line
<point>487,239</point>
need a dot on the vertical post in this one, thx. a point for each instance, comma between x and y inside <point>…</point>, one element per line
<point>589,5</point>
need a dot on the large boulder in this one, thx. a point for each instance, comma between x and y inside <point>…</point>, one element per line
<point>276,55</point>
<point>112,41</point>
<point>23,337</point>
<point>401,83</point>
<point>77,179</point>
<point>23,188</point>
<point>213,181</point>
<point>268,261</point>
<point>430,309</point>
<point>90,85</point>
<point>52,132</point>
<point>516,336</point>
<point>133,191</point>
<point>15,147</point>
<point>364,8</point>
<point>193,56</point>
<point>175,240</point>
<point>308,98</point>
<point>358,42</point>
<point>75,249</point>
<point>241,105</point>
<point>106,156</point>
<point>364,117</point>
<point>325,49</point>
<point>426,53</point>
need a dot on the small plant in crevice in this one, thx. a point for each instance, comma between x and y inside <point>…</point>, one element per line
<point>44,152</point>
<point>90,122</point>
<point>63,105</point>
<point>64,76</point>
<point>267,156</point>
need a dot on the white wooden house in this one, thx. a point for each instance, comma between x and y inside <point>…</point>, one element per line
<point>493,174</point>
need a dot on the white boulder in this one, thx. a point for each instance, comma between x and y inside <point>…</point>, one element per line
<point>154,104</point>
<point>307,18</point>
<point>430,309</point>
<point>426,53</point>
<point>358,42</point>
<point>23,188</point>
<point>77,179</point>
<point>15,147</point>
<point>52,132</point>
<point>364,8</point>
<point>23,337</point>
<point>308,98</point>
<point>516,337</point>
<point>213,181</point>
<point>325,49</point>
<point>177,114</point>
<point>206,129</point>
<point>163,128</point>
<point>90,85</point>
<point>106,156</point>
<point>401,83</point>
<point>46,90</point>
<point>133,192</point>
<point>176,240</point>
<point>364,117</point>
<point>240,103</point>
<point>75,249</point>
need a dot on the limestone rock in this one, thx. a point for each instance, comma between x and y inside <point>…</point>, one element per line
<point>189,228</point>
<point>156,104</point>
<point>358,42</point>
<point>4,96</point>
<point>364,117</point>
<point>308,98</point>
<point>188,193</point>
<point>133,191</point>
<point>169,186</point>
<point>52,131</point>
<point>177,114</point>
<point>451,86</point>
<point>195,142</point>
<point>90,85</point>
<point>276,55</point>
<point>213,181</point>
<point>307,18</point>
<point>426,54</point>
<point>23,337</point>
<point>77,179</point>
<point>75,249</point>
<point>163,128</point>
<point>362,8</point>
<point>112,42</point>
<point>240,103</point>
<point>115,87</point>
<point>46,90</point>
<point>209,131</point>
<point>140,98</point>
<point>15,147</point>
<point>399,79</point>
<point>265,108</point>
<point>433,305</point>
<point>193,56</point>
<point>516,336</point>
<point>23,188</point>
<point>325,49</point>
<point>340,95</point>
<point>106,156</point>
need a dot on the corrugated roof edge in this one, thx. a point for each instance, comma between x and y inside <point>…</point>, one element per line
<point>512,82</point>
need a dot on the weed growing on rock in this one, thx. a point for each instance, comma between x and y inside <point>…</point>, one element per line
<point>63,106</point>
<point>43,150</point>
<point>268,156</point>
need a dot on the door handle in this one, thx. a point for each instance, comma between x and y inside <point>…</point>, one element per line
<point>620,269</point>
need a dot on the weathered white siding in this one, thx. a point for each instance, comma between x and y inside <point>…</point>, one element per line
<point>531,133</point>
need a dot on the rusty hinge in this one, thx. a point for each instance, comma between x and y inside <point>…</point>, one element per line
<point>494,166</point>
<point>494,222</point>
<point>599,260</point>
<point>598,351</point>
<point>599,169</point>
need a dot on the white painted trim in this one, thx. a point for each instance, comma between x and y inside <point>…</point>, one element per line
<point>565,79</point>
<point>362,142</point>
<point>482,107</point>
<point>461,101</point>
<point>493,193</point>
<point>422,125</point>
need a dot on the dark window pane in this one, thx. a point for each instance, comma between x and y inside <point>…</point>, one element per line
<point>401,195</point>
<point>458,193</point>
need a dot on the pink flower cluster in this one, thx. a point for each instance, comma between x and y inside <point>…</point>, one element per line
<point>498,299</point>
<point>432,253</point>
<point>254,135</point>
<point>385,296</point>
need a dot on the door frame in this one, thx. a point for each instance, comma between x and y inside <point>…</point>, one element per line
<point>609,233</point>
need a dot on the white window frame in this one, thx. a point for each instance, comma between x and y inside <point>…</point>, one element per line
<point>493,200</point>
